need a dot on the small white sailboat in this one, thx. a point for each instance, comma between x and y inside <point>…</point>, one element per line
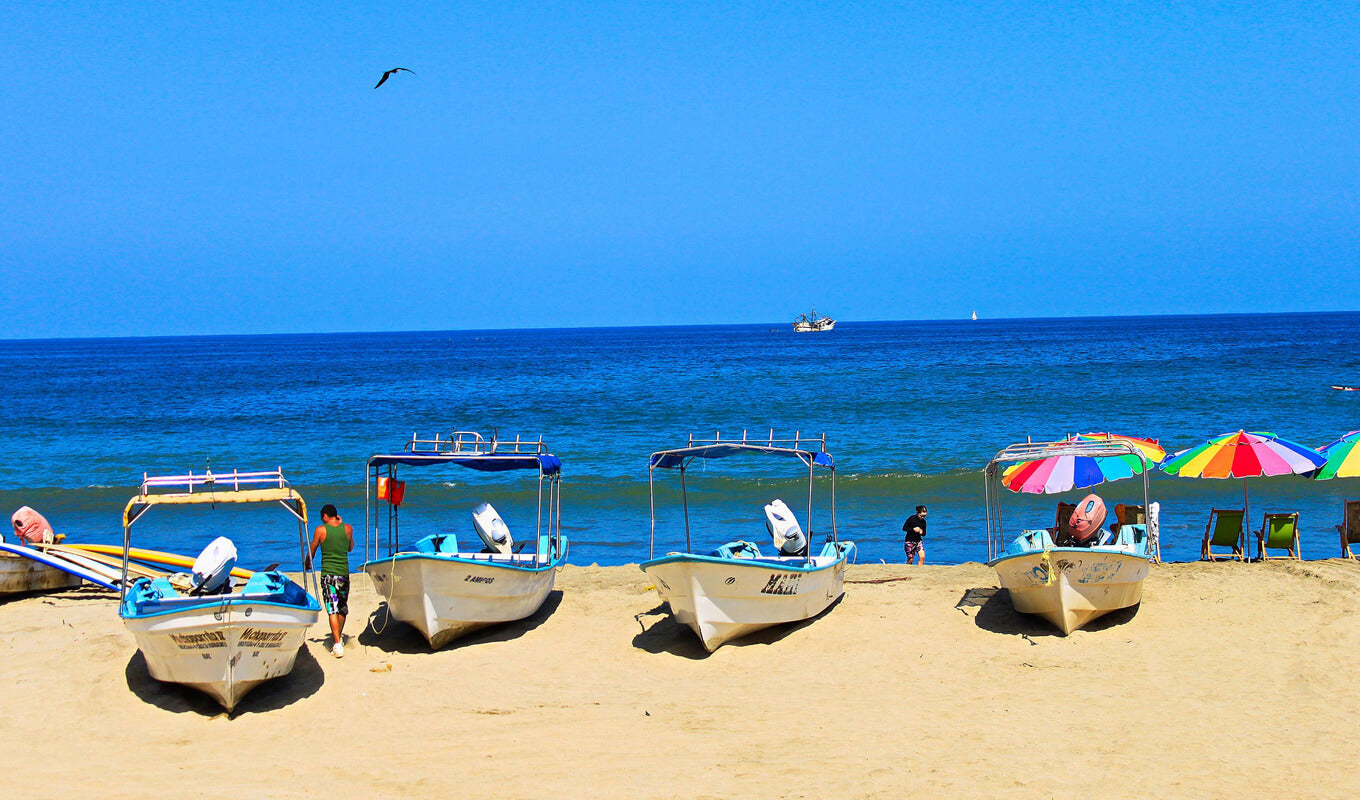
<point>221,640</point>
<point>445,590</point>
<point>1068,585</point>
<point>975,315</point>
<point>735,589</point>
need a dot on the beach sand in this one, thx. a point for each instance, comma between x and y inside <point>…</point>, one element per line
<point>1230,680</point>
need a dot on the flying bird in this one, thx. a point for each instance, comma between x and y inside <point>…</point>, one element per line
<point>389,74</point>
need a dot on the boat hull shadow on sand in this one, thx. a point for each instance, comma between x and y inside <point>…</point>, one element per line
<point>723,597</point>
<point>1071,586</point>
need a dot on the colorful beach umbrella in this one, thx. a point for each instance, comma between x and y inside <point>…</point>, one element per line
<point>1343,458</point>
<point>1244,454</point>
<point>1061,473</point>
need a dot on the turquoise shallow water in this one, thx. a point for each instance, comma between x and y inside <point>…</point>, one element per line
<point>912,412</point>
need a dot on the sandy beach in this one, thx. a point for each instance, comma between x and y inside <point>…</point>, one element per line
<point>1230,680</point>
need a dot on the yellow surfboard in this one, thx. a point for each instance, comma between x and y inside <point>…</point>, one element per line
<point>152,557</point>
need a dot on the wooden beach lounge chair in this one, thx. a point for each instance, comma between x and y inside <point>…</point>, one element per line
<point>1349,527</point>
<point>1278,532</point>
<point>1225,529</point>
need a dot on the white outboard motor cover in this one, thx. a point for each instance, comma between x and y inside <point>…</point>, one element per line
<point>493,530</point>
<point>212,569</point>
<point>1154,522</point>
<point>783,527</point>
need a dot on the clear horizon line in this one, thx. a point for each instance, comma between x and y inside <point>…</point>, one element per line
<point>662,327</point>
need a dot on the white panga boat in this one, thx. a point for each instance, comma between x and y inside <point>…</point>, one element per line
<point>812,323</point>
<point>445,590</point>
<point>735,589</point>
<point>20,574</point>
<point>1046,574</point>
<point>222,644</point>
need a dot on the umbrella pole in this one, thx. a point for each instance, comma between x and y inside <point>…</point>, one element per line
<point>1246,519</point>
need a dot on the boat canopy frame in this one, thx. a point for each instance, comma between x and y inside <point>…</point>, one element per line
<point>209,488</point>
<point>799,447</point>
<point>1034,451</point>
<point>469,449</point>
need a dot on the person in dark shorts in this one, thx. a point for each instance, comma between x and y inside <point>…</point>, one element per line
<point>915,530</point>
<point>335,537</point>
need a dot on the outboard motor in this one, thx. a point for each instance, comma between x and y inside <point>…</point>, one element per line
<point>784,530</point>
<point>212,569</point>
<point>493,530</point>
<point>1087,518</point>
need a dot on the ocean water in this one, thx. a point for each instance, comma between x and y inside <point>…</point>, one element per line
<point>912,412</point>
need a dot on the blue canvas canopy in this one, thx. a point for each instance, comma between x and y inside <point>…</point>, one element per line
<point>485,462</point>
<point>668,459</point>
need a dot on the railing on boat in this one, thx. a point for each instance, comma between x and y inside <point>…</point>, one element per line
<point>447,448</point>
<point>1034,451</point>
<point>212,488</point>
<point>473,443</point>
<point>234,481</point>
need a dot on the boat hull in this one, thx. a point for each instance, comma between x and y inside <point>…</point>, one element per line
<point>223,649</point>
<point>19,575</point>
<point>446,597</point>
<point>722,599</point>
<point>1069,587</point>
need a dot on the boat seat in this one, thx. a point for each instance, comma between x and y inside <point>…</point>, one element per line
<point>437,543</point>
<point>738,549</point>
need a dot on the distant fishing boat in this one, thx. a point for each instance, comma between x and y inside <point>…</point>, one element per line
<point>1346,388</point>
<point>812,323</point>
<point>736,590</point>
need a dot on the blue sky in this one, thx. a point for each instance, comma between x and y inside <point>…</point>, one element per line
<point>174,169</point>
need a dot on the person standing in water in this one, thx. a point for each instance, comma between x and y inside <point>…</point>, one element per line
<point>335,537</point>
<point>915,530</point>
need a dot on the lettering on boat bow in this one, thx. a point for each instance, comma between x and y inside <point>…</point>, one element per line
<point>199,641</point>
<point>259,638</point>
<point>782,583</point>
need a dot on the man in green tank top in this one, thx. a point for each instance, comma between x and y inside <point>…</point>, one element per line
<point>335,537</point>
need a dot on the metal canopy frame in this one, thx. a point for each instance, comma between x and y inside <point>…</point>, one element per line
<point>1034,451</point>
<point>457,449</point>
<point>211,488</point>
<point>717,447</point>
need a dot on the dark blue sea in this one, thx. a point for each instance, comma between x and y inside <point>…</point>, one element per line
<point>912,412</point>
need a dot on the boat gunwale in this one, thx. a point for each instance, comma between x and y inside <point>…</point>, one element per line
<point>797,564</point>
<point>457,558</point>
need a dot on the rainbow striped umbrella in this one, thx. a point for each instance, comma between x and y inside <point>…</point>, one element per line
<point>1343,458</point>
<point>1061,473</point>
<point>1243,455</point>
